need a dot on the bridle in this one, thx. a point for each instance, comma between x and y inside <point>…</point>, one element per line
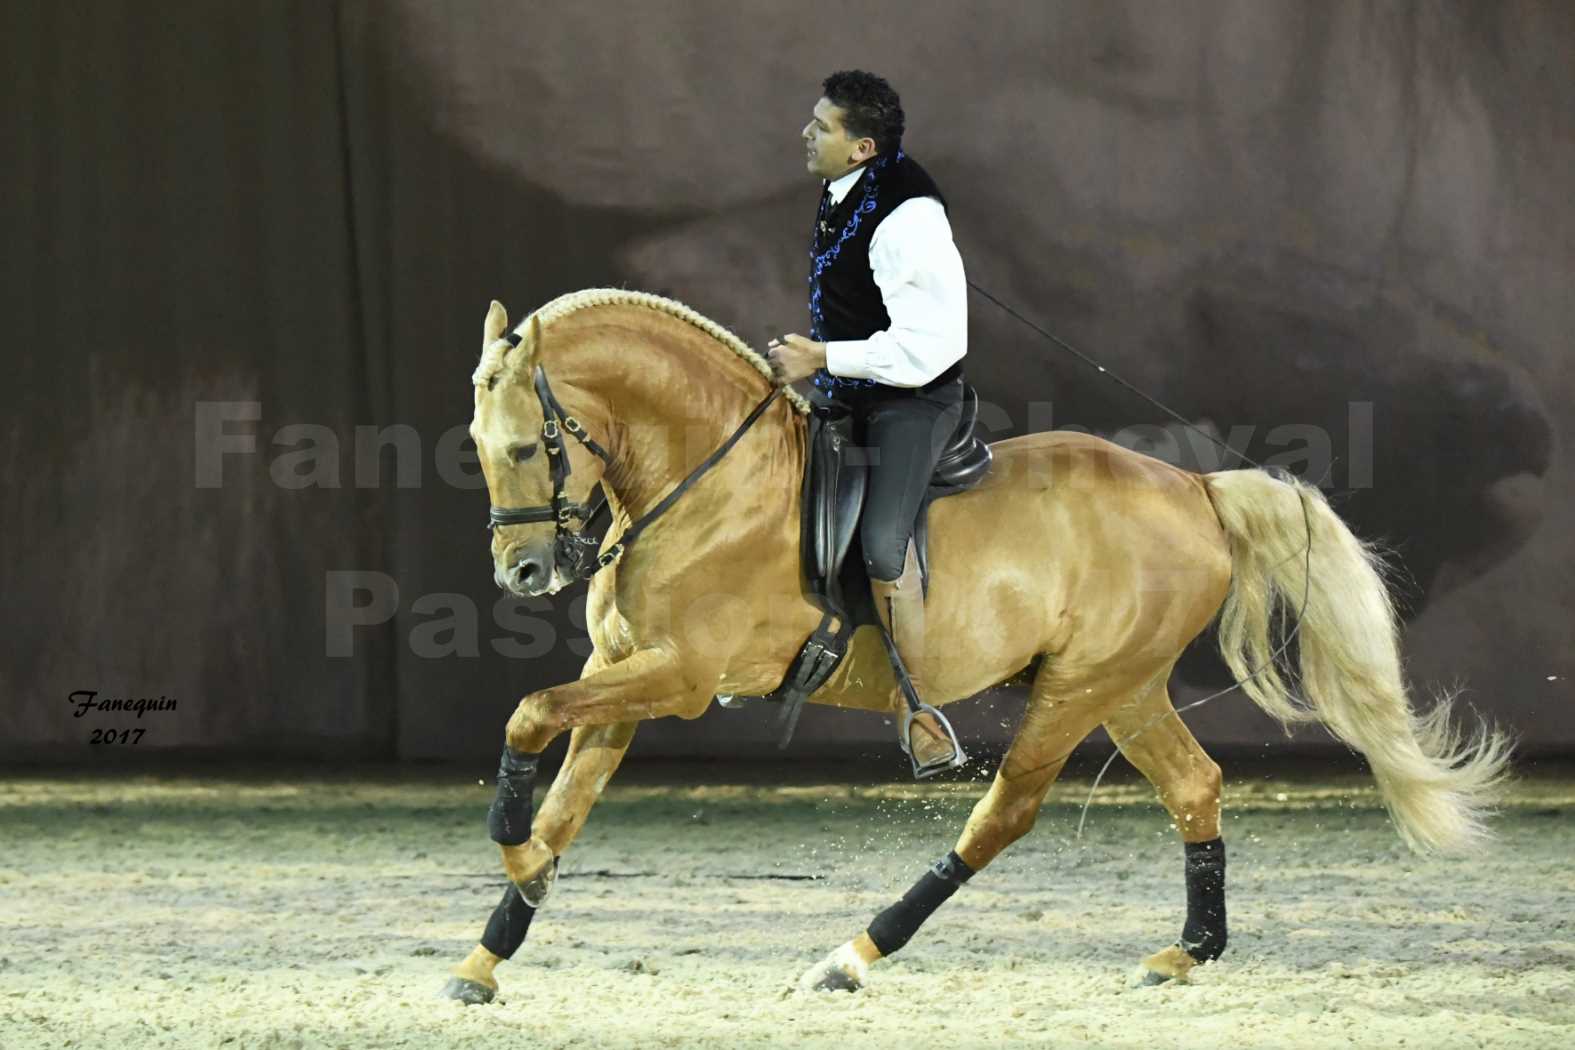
<point>574,551</point>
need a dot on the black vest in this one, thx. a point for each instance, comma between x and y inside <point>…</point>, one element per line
<point>844,300</point>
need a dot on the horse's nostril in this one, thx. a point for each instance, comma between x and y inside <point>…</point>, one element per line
<point>528,570</point>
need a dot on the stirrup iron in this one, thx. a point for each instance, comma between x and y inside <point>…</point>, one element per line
<point>955,760</point>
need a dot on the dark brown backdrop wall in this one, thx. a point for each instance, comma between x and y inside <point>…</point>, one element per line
<point>1351,219</point>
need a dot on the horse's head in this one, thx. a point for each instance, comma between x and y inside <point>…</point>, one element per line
<point>539,464</point>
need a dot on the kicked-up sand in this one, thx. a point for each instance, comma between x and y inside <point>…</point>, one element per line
<point>290,910</point>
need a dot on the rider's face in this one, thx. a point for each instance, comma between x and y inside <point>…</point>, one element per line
<point>830,152</point>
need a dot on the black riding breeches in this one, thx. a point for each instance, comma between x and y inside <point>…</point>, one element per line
<point>903,437</point>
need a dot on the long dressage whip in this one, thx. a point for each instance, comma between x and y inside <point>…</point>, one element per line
<point>1306,524</point>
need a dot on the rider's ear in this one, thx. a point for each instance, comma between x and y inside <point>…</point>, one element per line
<point>497,320</point>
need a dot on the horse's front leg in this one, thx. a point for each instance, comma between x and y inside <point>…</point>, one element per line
<point>594,754</point>
<point>652,683</point>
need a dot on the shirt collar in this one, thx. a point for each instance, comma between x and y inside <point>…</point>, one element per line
<point>839,189</point>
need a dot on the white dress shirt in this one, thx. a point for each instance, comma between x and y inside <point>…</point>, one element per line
<point>921,281</point>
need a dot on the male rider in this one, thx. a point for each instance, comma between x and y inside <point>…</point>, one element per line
<point>888,330</point>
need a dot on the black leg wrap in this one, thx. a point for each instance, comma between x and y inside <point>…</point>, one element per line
<point>893,927</point>
<point>508,819</point>
<point>509,923</point>
<point>1204,935</point>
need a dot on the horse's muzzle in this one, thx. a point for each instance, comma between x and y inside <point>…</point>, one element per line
<point>526,569</point>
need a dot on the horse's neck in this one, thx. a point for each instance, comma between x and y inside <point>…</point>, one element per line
<point>668,415</point>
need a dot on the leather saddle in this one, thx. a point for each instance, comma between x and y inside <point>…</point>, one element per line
<point>834,578</point>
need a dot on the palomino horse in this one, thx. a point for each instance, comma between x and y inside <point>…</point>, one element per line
<point>1092,565</point>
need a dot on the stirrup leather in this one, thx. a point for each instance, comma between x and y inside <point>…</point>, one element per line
<point>900,606</point>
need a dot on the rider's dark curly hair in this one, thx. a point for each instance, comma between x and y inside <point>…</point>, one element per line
<point>869,107</point>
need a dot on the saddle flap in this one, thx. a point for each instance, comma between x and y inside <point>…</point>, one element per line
<point>833,495</point>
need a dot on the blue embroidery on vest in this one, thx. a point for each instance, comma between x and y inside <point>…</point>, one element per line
<point>819,263</point>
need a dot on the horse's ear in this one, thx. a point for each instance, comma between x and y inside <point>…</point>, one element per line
<point>497,320</point>
<point>530,347</point>
<point>536,336</point>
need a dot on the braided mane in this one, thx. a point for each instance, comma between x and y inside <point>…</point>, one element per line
<point>494,365</point>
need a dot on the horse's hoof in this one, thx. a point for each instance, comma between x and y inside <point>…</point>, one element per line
<point>524,863</point>
<point>534,892</point>
<point>471,993</point>
<point>1171,964</point>
<point>841,971</point>
<point>836,979</point>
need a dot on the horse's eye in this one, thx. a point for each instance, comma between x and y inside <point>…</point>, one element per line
<point>524,452</point>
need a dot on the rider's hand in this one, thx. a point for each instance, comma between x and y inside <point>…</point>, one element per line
<point>793,357</point>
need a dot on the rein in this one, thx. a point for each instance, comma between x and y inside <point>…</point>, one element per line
<point>574,550</point>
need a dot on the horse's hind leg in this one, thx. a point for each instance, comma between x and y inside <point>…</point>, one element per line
<point>1155,740</point>
<point>1059,715</point>
<point>594,754</point>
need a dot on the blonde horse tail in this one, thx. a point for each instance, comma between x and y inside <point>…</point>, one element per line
<point>1437,784</point>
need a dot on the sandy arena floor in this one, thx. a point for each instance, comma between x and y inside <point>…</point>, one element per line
<point>271,911</point>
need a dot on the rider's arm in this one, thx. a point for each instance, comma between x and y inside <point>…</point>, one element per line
<point>921,281</point>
